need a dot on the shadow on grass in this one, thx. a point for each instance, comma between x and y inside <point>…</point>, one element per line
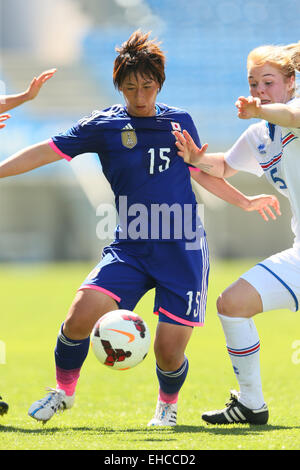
<point>153,432</point>
<point>234,429</point>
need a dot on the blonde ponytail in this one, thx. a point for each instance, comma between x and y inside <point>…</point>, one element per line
<point>293,51</point>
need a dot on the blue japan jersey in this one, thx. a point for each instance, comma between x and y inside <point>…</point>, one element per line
<point>151,183</point>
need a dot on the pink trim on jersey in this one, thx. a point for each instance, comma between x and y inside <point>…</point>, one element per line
<point>194,169</point>
<point>59,152</point>
<point>101,289</point>
<point>178,319</point>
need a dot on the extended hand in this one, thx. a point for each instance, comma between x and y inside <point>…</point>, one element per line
<point>37,83</point>
<point>187,149</point>
<point>248,107</point>
<point>264,205</point>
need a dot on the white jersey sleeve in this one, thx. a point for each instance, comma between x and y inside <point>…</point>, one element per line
<point>241,156</point>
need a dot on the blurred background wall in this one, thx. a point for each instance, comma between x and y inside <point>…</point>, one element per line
<point>50,213</point>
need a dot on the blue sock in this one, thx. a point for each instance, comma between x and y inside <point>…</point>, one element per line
<point>69,356</point>
<point>70,353</point>
<point>171,382</point>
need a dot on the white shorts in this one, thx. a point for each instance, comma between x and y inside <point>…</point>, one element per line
<point>277,280</point>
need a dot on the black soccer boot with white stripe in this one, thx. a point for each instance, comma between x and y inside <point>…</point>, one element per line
<point>235,412</point>
<point>3,407</point>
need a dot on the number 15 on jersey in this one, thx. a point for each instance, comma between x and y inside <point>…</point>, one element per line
<point>163,162</point>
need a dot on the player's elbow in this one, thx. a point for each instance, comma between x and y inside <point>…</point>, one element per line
<point>227,170</point>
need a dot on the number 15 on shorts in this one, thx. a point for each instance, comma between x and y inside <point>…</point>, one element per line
<point>193,303</point>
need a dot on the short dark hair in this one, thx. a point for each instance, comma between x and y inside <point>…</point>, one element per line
<point>141,55</point>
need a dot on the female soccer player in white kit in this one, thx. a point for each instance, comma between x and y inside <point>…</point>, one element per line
<point>270,147</point>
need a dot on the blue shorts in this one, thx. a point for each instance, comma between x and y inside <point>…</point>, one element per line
<point>179,276</point>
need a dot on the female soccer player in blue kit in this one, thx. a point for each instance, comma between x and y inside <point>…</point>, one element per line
<point>136,147</point>
<point>8,102</point>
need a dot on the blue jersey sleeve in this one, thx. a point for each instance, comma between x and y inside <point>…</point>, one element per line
<point>194,133</point>
<point>83,137</point>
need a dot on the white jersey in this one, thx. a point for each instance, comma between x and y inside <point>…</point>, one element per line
<point>275,152</point>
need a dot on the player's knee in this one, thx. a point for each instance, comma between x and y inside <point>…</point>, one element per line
<point>87,308</point>
<point>78,324</point>
<point>226,304</point>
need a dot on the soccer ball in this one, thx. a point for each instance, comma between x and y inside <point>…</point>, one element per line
<point>120,339</point>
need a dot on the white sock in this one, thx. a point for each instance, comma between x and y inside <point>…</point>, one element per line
<point>243,347</point>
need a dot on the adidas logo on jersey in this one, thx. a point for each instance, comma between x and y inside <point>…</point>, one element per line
<point>128,136</point>
<point>261,148</point>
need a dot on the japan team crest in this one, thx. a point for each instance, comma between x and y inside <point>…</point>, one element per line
<point>128,136</point>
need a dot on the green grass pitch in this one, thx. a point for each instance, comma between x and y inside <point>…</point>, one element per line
<point>112,408</point>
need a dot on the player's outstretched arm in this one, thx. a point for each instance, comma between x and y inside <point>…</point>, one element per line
<point>263,204</point>
<point>281,114</point>
<point>28,159</point>
<point>12,101</point>
<point>212,163</point>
